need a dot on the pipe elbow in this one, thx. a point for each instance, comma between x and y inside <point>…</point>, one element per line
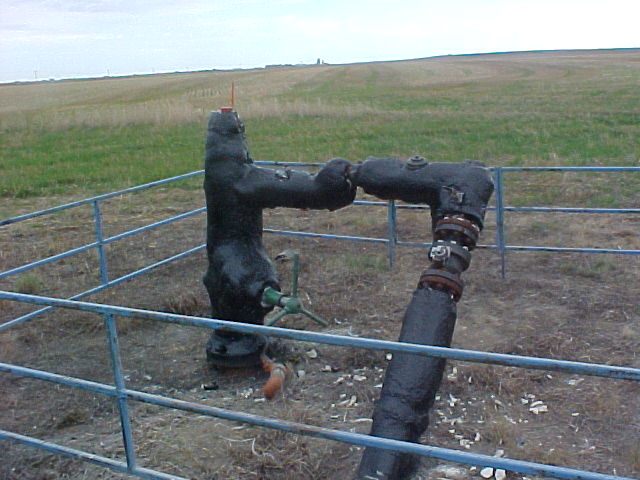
<point>463,188</point>
<point>334,184</point>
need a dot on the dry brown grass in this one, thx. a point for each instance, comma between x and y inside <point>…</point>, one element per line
<point>171,99</point>
<point>186,304</point>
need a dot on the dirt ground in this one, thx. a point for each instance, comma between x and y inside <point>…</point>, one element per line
<point>568,306</point>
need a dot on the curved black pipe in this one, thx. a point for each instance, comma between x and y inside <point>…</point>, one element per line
<point>463,188</point>
<point>236,192</point>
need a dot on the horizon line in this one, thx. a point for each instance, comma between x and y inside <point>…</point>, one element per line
<point>300,65</point>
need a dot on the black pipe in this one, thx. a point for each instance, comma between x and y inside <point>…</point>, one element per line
<point>410,385</point>
<point>236,191</point>
<point>289,188</point>
<point>457,194</point>
<point>462,188</point>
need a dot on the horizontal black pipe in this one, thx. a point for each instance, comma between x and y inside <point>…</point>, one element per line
<point>447,187</point>
<point>266,188</point>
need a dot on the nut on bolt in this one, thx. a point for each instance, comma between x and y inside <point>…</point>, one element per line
<point>443,250</point>
<point>416,162</point>
<point>440,253</point>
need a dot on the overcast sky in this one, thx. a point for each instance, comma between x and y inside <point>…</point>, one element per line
<point>80,38</point>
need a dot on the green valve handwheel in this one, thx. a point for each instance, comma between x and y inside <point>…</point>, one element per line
<point>289,303</point>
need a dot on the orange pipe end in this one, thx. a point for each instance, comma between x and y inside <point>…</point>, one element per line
<point>278,375</point>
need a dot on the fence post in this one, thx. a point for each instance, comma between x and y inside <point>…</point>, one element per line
<point>392,234</point>
<point>114,350</point>
<point>500,237</point>
<point>123,408</point>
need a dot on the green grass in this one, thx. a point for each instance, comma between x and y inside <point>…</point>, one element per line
<point>365,263</point>
<point>29,283</point>
<point>95,158</point>
<point>597,269</point>
<point>552,109</point>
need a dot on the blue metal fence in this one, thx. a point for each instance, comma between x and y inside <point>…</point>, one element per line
<point>123,395</point>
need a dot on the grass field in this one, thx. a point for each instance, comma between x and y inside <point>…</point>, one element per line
<point>549,108</point>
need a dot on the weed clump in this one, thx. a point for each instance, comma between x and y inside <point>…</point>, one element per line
<point>184,305</point>
<point>29,284</point>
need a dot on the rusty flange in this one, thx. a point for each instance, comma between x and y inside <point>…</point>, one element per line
<point>442,280</point>
<point>465,231</point>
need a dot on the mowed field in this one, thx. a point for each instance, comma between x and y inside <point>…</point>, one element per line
<point>67,140</point>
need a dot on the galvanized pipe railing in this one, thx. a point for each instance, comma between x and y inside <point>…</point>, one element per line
<point>100,242</point>
<point>99,198</point>
<point>392,241</point>
<point>99,288</point>
<point>81,455</point>
<point>581,368</point>
<point>520,466</point>
<point>123,394</point>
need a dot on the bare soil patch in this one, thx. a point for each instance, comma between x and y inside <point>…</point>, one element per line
<point>569,306</point>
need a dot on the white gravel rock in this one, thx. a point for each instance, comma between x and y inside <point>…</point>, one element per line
<point>486,472</point>
<point>450,472</point>
<point>500,474</point>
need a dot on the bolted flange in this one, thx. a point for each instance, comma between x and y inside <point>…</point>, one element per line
<point>444,281</point>
<point>228,349</point>
<point>465,231</point>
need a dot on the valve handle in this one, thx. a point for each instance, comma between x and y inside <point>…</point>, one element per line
<point>294,256</point>
<point>314,317</point>
<point>270,321</point>
<point>290,303</point>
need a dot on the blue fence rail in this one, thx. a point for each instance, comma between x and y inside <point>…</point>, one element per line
<point>123,395</point>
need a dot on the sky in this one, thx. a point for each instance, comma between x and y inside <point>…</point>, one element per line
<point>43,39</point>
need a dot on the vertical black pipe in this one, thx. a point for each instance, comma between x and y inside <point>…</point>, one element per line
<point>237,191</point>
